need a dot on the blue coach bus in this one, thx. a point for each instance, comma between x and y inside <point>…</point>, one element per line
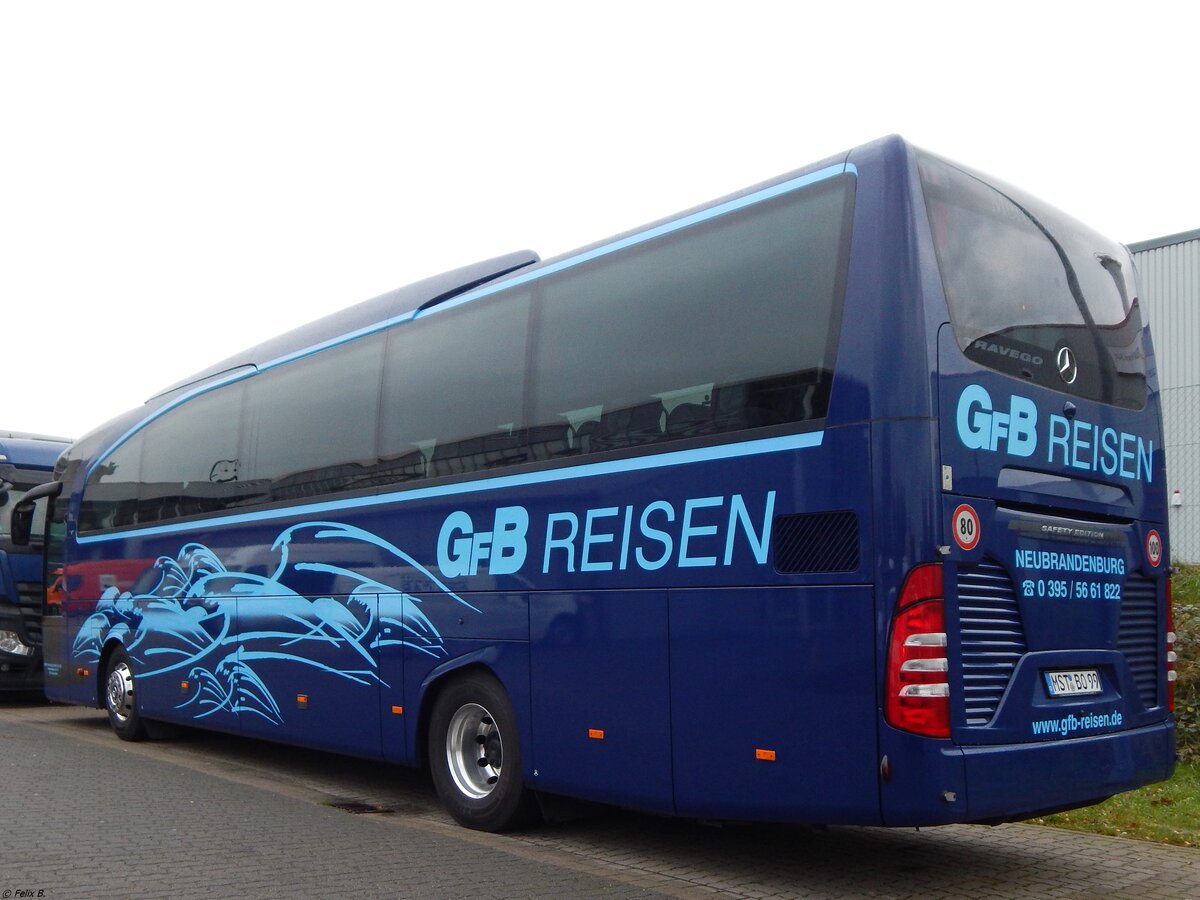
<point>838,500</point>
<point>26,461</point>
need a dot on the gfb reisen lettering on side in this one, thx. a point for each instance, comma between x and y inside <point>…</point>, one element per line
<point>699,532</point>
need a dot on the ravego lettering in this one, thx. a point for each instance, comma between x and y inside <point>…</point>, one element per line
<point>1012,352</point>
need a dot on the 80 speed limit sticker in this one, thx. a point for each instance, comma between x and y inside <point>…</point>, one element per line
<point>965,524</point>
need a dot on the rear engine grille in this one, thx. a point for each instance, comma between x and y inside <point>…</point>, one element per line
<point>993,638</point>
<point>1139,637</point>
<point>30,601</point>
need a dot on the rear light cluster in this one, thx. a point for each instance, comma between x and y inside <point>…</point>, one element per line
<point>917,683</point>
<point>1170,650</point>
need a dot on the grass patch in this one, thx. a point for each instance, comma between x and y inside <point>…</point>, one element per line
<point>1185,590</point>
<point>1168,812</point>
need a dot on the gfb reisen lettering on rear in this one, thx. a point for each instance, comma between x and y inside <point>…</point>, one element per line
<point>1071,442</point>
<point>699,532</point>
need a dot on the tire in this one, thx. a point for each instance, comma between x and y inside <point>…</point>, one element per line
<point>475,755</point>
<point>120,698</point>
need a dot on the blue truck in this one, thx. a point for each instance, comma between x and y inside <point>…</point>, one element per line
<point>26,460</point>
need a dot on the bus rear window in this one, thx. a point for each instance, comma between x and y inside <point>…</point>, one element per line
<point>1033,293</point>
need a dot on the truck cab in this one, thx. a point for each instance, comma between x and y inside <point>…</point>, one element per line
<point>26,460</point>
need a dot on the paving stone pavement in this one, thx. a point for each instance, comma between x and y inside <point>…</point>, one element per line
<point>216,816</point>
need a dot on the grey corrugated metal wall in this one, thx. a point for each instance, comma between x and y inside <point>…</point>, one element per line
<point>1170,274</point>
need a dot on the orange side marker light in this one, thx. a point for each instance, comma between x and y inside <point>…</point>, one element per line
<point>596,734</point>
<point>398,710</point>
<point>765,755</point>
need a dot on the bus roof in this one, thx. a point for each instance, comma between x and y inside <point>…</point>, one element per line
<point>445,286</point>
<point>419,295</point>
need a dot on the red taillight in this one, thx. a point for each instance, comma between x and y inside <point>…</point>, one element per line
<point>1170,650</point>
<point>917,691</point>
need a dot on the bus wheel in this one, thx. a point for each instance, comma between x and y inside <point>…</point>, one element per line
<point>119,698</point>
<point>475,757</point>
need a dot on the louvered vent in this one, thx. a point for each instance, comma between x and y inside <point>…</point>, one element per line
<point>30,593</point>
<point>1138,637</point>
<point>993,638</point>
<point>816,542</point>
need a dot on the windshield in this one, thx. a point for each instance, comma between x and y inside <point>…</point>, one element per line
<point>15,482</point>
<point>1032,292</point>
<point>10,499</point>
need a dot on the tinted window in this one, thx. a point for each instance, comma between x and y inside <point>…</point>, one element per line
<point>725,325</point>
<point>56,537</point>
<point>310,426</point>
<point>191,463</point>
<point>454,389</point>
<point>110,499</point>
<point>1025,283</point>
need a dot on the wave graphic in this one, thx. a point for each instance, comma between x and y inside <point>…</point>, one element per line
<point>222,628</point>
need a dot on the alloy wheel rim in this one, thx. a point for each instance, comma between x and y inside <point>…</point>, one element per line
<point>474,751</point>
<point>120,692</point>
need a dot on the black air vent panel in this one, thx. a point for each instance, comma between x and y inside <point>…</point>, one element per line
<point>816,542</point>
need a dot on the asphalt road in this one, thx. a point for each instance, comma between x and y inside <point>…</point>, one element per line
<point>215,816</point>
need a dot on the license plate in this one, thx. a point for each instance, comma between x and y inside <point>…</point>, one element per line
<point>1074,683</point>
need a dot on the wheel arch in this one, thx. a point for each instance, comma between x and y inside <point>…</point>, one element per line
<point>432,686</point>
<point>508,662</point>
<point>469,716</point>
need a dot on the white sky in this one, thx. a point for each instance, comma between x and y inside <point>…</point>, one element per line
<point>179,181</point>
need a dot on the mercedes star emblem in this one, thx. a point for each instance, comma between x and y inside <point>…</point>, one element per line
<point>1068,369</point>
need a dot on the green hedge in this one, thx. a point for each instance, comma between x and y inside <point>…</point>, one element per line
<point>1185,588</point>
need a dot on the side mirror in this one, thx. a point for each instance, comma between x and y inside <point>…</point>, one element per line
<point>5,487</point>
<point>22,514</point>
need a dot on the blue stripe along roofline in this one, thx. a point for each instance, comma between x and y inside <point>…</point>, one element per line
<point>712,212</point>
<point>703,215</point>
<point>587,470</point>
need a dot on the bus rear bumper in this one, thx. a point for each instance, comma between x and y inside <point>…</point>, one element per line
<point>1007,783</point>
